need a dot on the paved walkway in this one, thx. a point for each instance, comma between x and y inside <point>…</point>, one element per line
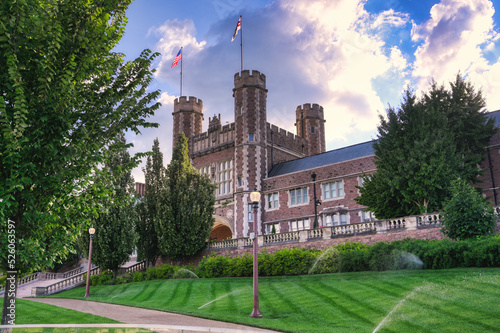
<point>131,315</point>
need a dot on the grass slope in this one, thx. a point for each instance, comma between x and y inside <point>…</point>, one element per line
<point>29,312</point>
<point>456,300</point>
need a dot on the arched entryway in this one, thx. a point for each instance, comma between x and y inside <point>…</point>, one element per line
<point>221,229</point>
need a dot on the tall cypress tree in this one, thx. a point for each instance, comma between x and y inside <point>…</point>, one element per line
<point>147,242</point>
<point>114,228</point>
<point>185,210</point>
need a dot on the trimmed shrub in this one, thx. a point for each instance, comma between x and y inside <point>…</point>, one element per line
<point>327,262</point>
<point>467,214</point>
<point>138,277</point>
<point>214,266</point>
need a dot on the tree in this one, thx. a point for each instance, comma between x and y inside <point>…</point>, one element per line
<point>147,242</point>
<point>114,228</point>
<point>185,207</point>
<point>467,214</point>
<point>419,150</point>
<point>64,96</point>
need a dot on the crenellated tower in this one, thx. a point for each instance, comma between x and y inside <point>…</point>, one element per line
<point>188,118</point>
<point>250,154</point>
<point>310,125</point>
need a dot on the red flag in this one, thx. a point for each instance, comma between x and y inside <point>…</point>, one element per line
<point>177,58</point>
<point>238,27</point>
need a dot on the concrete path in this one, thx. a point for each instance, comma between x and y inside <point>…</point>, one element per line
<point>131,315</point>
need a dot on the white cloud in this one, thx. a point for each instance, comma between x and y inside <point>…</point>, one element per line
<point>343,57</point>
<point>173,35</point>
<point>453,40</point>
<point>390,18</point>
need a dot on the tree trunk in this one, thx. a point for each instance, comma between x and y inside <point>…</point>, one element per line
<point>9,300</point>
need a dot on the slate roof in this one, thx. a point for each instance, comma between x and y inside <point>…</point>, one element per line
<point>326,158</point>
<point>496,116</point>
<point>338,155</point>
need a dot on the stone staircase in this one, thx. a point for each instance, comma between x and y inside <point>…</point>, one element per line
<point>40,284</point>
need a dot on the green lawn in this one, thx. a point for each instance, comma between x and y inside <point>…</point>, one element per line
<point>29,312</point>
<point>456,300</point>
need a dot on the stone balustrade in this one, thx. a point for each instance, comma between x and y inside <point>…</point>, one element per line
<point>24,280</point>
<point>324,233</point>
<point>71,281</point>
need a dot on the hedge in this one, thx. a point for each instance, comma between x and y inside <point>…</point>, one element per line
<point>346,257</point>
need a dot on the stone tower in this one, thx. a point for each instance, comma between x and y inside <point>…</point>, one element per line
<point>310,125</point>
<point>188,118</point>
<point>250,158</point>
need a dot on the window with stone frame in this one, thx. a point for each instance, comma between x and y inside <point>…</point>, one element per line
<point>333,190</point>
<point>250,212</point>
<point>367,216</point>
<point>269,228</point>
<point>335,219</point>
<point>205,170</point>
<point>224,177</point>
<point>272,201</point>
<point>300,224</point>
<point>298,196</point>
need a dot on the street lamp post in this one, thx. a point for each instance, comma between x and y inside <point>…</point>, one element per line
<point>255,199</point>
<point>91,233</point>
<point>315,224</point>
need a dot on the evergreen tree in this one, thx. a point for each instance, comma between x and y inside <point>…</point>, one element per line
<point>420,150</point>
<point>147,242</point>
<point>114,228</point>
<point>185,208</point>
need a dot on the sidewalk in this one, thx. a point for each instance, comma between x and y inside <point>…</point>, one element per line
<point>131,315</point>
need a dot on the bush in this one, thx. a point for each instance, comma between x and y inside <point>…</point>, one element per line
<point>467,214</point>
<point>293,261</point>
<point>242,266</point>
<point>213,266</point>
<point>327,262</point>
<point>94,279</point>
<point>138,277</point>
<point>184,273</point>
<point>121,279</point>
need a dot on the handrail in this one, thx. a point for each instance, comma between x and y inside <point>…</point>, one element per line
<point>73,280</point>
<point>24,280</point>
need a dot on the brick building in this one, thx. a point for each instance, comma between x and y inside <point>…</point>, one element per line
<point>289,170</point>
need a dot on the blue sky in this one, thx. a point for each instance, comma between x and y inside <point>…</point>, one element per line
<point>353,57</point>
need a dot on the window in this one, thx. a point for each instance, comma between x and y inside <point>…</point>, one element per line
<point>272,201</point>
<point>367,216</point>
<point>333,220</point>
<point>297,225</point>
<point>269,228</point>
<point>225,177</point>
<point>250,212</point>
<point>240,181</point>
<point>333,190</point>
<point>312,129</point>
<point>298,196</point>
<point>205,170</point>
<point>250,137</point>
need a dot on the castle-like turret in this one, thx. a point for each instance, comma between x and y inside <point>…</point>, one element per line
<point>310,125</point>
<point>188,117</point>
<point>250,154</point>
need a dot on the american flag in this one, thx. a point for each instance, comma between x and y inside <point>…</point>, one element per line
<point>238,27</point>
<point>177,58</point>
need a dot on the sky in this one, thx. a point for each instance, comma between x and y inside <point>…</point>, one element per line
<point>353,57</point>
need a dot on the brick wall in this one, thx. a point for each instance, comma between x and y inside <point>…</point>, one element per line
<point>346,172</point>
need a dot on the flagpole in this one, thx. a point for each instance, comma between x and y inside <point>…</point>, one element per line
<point>182,56</point>
<point>241,44</point>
